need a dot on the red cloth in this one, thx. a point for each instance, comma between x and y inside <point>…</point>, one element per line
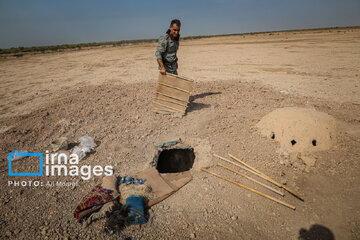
<point>92,202</point>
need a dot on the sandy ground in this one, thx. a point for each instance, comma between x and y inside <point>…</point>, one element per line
<point>106,93</point>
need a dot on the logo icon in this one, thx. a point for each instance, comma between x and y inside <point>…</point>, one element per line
<point>16,154</point>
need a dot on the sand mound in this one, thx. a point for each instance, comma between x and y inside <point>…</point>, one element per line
<point>299,129</point>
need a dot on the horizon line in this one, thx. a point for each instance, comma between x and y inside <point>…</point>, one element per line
<point>135,41</point>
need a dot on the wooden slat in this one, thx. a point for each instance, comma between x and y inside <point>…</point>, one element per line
<point>177,88</point>
<point>163,105</point>
<point>172,94</point>
<point>170,105</point>
<point>170,101</point>
<point>158,110</point>
<point>175,105</point>
<point>182,77</point>
<point>165,95</point>
<point>173,81</point>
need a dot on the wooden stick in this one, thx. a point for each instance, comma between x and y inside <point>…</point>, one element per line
<point>258,172</point>
<point>246,169</point>
<point>251,179</point>
<point>250,189</point>
<point>272,180</point>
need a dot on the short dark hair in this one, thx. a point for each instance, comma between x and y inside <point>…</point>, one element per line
<point>175,21</point>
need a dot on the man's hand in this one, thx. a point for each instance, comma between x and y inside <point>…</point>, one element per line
<point>163,71</point>
<point>162,67</point>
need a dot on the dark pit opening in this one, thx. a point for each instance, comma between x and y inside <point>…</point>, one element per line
<point>314,143</point>
<point>293,142</point>
<point>272,135</point>
<point>175,160</point>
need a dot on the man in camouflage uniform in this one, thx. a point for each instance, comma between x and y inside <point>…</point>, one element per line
<point>167,48</point>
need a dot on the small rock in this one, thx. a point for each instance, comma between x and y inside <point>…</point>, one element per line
<point>284,92</point>
<point>285,155</point>
<point>234,218</point>
<point>192,235</point>
<point>8,233</point>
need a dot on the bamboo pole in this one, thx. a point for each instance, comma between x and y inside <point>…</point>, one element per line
<point>258,172</point>
<point>272,180</point>
<point>246,169</point>
<point>251,179</point>
<point>250,189</point>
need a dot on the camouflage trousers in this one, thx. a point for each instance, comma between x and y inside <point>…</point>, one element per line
<point>170,68</point>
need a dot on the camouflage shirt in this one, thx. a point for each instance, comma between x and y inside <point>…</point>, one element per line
<point>167,48</point>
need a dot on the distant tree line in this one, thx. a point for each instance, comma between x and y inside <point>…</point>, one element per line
<point>63,47</point>
<point>20,51</point>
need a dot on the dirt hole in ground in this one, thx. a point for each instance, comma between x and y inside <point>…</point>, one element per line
<point>175,160</point>
<point>272,135</point>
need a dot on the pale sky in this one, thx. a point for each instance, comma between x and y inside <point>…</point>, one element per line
<point>49,22</point>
